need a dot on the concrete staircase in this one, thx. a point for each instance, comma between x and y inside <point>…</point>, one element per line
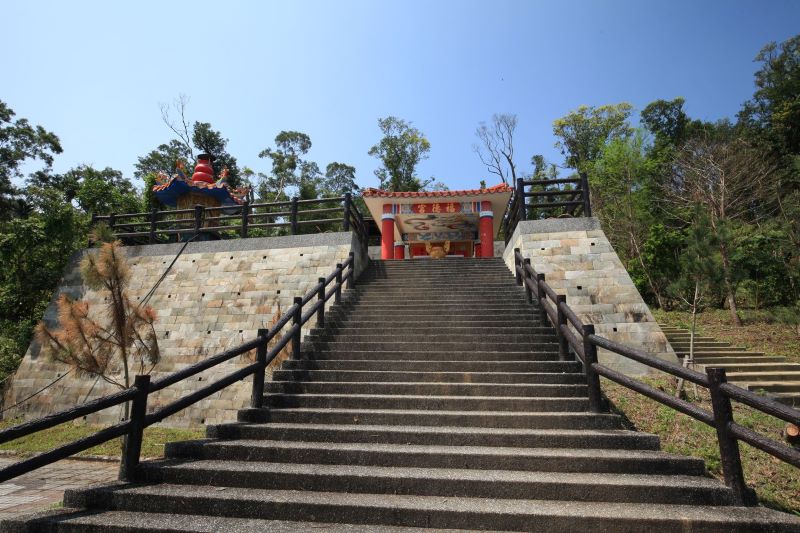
<point>753,370</point>
<point>433,399</point>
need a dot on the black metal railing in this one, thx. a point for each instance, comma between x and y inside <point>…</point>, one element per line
<point>298,314</point>
<point>581,339</point>
<point>237,221</point>
<point>551,198</point>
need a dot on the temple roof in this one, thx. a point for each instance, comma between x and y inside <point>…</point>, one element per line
<point>379,193</point>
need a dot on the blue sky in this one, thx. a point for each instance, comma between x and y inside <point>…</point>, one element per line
<point>95,72</point>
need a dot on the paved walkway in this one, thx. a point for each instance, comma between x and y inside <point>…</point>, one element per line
<point>44,488</point>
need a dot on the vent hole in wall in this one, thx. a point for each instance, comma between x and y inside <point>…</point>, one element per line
<point>263,257</point>
<point>542,248</point>
<point>169,296</point>
<point>592,244</point>
<point>208,332</point>
<point>615,329</point>
<point>192,260</point>
<point>231,257</point>
<point>579,287</point>
<point>240,331</point>
<point>279,291</point>
<point>238,294</point>
<point>166,334</point>
<point>203,295</point>
<point>301,255</point>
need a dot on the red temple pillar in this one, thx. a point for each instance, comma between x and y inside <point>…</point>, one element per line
<point>486,230</point>
<point>387,232</point>
<point>399,250</point>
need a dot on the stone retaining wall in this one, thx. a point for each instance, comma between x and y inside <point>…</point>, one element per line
<point>577,260</point>
<point>215,297</point>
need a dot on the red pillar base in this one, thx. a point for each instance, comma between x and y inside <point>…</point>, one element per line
<point>387,232</point>
<point>486,230</point>
<point>399,250</point>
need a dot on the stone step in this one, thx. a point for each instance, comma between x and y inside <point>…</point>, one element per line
<point>792,399</point>
<point>405,417</point>
<point>764,376</point>
<point>701,345</point>
<point>434,289</point>
<point>434,366</point>
<point>66,520</point>
<point>710,349</point>
<point>433,456</point>
<point>427,402</point>
<point>407,309</point>
<point>720,353</point>
<point>526,437</point>
<point>332,355</point>
<point>457,323</point>
<point>788,386</point>
<point>759,367</point>
<point>432,339</point>
<point>512,484</point>
<point>429,377</point>
<point>463,326</point>
<point>434,345</point>
<point>435,315</point>
<point>395,514</point>
<point>435,389</point>
<point>713,360</point>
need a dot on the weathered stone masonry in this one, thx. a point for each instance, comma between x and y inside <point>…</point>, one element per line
<point>578,261</point>
<point>216,296</point>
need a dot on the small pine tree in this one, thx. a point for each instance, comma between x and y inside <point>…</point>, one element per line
<point>700,273</point>
<point>122,340</point>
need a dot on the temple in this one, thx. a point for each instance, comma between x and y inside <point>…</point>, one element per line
<point>438,223</point>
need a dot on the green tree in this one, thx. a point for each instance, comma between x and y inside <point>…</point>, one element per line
<point>400,150</point>
<point>20,142</point>
<point>773,113</point>
<point>728,177</point>
<point>163,159</point>
<point>699,273</point>
<point>622,199</point>
<point>209,141</point>
<point>192,136</point>
<point>583,133</point>
<point>339,179</point>
<point>666,120</point>
<point>34,251</point>
<point>289,167</point>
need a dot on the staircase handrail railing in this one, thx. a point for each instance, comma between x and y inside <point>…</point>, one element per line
<point>140,419</point>
<point>581,339</point>
<point>577,203</point>
<point>147,227</point>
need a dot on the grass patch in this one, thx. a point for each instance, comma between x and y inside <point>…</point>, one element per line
<point>761,331</point>
<point>152,445</point>
<point>776,483</point>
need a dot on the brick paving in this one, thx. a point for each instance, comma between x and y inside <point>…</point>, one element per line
<point>44,488</point>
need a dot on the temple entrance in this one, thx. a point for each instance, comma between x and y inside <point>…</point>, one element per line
<point>438,224</point>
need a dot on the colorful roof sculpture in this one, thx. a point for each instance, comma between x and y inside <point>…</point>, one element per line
<point>169,188</point>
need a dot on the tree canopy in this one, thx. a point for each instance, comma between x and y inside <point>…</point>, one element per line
<point>400,151</point>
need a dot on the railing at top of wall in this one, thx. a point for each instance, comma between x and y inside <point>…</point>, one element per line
<point>584,344</point>
<point>142,387</point>
<point>236,221</point>
<point>548,201</point>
